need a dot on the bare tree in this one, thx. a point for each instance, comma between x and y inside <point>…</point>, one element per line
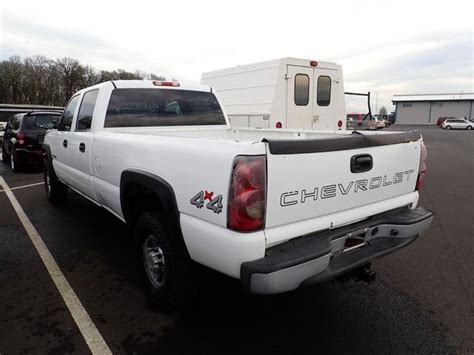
<point>39,80</point>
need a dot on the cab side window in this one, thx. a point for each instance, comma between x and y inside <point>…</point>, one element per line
<point>84,117</point>
<point>68,114</point>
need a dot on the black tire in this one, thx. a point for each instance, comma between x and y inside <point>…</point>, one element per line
<point>448,127</point>
<point>14,165</point>
<point>56,191</point>
<point>469,128</point>
<point>5,157</point>
<point>167,268</point>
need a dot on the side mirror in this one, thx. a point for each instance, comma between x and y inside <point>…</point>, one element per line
<point>55,125</point>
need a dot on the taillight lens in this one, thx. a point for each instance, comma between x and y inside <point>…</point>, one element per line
<point>247,194</point>
<point>339,124</point>
<point>20,137</point>
<point>422,168</point>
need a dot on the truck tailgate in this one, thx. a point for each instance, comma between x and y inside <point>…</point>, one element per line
<point>311,179</point>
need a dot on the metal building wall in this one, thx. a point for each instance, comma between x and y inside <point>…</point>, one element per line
<point>429,112</point>
<point>417,113</point>
<point>449,109</point>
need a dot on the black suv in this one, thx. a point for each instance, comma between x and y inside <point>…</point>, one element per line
<point>24,135</point>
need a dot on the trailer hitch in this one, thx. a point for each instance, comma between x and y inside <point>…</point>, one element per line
<point>363,273</point>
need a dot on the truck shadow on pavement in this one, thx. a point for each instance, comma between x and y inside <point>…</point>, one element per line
<point>95,252</point>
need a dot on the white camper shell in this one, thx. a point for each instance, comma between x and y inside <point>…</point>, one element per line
<point>282,93</point>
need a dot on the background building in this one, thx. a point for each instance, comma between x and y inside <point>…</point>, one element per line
<point>426,109</point>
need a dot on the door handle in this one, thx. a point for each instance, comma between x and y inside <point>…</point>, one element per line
<point>82,147</point>
<point>361,163</point>
<point>65,143</point>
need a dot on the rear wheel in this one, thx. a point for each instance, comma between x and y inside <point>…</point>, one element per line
<point>165,263</point>
<point>14,165</point>
<point>448,127</point>
<point>5,157</point>
<point>469,127</point>
<point>56,191</point>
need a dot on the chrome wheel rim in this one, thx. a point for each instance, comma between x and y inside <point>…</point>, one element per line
<point>154,261</point>
<point>12,161</point>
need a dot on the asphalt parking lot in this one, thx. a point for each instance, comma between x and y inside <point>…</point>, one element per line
<point>422,301</point>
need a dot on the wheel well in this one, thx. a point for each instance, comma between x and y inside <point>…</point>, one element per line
<point>138,199</point>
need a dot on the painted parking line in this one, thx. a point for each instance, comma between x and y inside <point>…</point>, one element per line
<point>89,331</point>
<point>21,187</point>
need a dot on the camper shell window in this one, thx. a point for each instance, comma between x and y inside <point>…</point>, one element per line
<point>324,91</point>
<point>301,89</point>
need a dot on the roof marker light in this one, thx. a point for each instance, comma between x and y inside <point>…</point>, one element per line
<point>313,63</point>
<point>166,83</point>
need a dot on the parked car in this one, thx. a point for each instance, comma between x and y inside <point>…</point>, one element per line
<point>440,120</point>
<point>2,131</point>
<point>457,123</point>
<point>362,121</point>
<point>275,208</point>
<point>380,123</point>
<point>350,123</point>
<point>23,137</point>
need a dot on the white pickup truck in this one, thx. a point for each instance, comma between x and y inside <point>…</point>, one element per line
<point>277,209</point>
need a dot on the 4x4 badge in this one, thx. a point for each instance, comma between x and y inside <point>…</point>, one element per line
<point>214,204</point>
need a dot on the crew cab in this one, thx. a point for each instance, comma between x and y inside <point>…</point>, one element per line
<point>275,208</point>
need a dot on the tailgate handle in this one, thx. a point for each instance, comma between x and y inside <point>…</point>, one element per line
<point>361,163</point>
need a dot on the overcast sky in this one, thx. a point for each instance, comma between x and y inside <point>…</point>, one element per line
<point>386,47</point>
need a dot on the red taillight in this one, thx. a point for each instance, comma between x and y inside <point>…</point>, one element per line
<point>165,83</point>
<point>279,125</point>
<point>247,194</point>
<point>20,137</point>
<point>422,168</point>
<point>339,123</point>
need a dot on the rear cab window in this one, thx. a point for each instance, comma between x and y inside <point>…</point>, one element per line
<point>162,107</point>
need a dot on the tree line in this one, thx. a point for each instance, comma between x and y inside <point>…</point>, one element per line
<point>42,81</point>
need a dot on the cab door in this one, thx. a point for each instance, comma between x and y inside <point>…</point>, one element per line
<point>81,144</point>
<point>60,139</point>
<point>299,103</point>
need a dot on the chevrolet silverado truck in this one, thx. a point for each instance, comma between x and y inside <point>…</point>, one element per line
<point>276,208</point>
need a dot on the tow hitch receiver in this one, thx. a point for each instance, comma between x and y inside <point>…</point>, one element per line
<point>364,273</point>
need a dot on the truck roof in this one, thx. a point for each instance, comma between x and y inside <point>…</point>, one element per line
<point>149,84</point>
<point>270,64</point>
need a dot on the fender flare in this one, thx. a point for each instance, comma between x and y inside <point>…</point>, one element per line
<point>157,186</point>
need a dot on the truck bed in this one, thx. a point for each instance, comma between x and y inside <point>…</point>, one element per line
<point>258,135</point>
